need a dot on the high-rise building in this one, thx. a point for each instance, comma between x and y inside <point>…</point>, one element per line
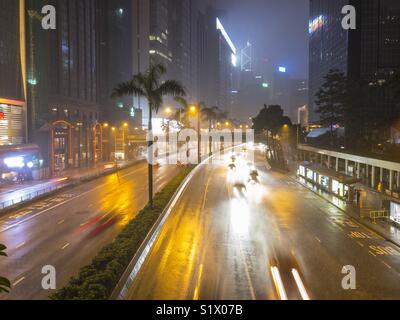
<point>208,57</point>
<point>298,97</point>
<point>13,110</point>
<point>64,80</point>
<point>117,61</point>
<point>281,89</point>
<point>227,55</point>
<point>183,15</point>
<point>370,52</point>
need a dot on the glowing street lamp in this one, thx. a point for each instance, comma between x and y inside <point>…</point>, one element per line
<point>168,111</point>
<point>196,110</point>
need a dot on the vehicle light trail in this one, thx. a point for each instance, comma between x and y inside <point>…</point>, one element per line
<point>278,283</point>
<point>300,285</point>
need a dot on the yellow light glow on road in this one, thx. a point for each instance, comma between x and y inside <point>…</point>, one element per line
<point>278,283</point>
<point>300,285</point>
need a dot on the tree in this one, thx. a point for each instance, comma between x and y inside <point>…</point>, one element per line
<point>183,111</point>
<point>5,284</point>
<point>393,84</point>
<point>271,120</point>
<point>331,100</point>
<point>209,114</point>
<point>150,86</point>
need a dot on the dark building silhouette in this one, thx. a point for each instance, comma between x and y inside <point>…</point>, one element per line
<point>63,96</point>
<point>371,52</point>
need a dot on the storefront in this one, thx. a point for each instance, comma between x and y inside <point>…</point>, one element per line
<point>19,163</point>
<point>328,180</point>
<point>12,123</point>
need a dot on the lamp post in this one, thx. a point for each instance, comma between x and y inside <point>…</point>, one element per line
<point>168,112</point>
<point>194,109</point>
<point>115,152</point>
<point>115,143</point>
<point>106,158</point>
<point>125,127</point>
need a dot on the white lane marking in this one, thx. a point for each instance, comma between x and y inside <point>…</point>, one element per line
<point>318,240</point>
<point>278,283</point>
<point>300,285</point>
<point>61,222</point>
<point>371,253</point>
<point>18,281</point>
<point>197,290</point>
<point>20,245</point>
<point>59,204</point>
<point>360,244</point>
<point>386,264</point>
<point>65,246</point>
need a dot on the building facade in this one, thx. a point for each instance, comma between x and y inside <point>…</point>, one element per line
<point>13,111</point>
<point>64,81</point>
<point>371,52</point>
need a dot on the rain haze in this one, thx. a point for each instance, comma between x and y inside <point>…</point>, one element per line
<point>277,30</point>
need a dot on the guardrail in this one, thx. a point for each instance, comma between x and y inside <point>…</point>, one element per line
<point>380,214</point>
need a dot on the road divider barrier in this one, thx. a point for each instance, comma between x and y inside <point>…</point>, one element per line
<point>98,280</point>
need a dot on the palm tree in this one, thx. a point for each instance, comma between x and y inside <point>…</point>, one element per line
<point>183,110</point>
<point>5,284</point>
<point>210,114</point>
<point>222,116</point>
<point>150,86</point>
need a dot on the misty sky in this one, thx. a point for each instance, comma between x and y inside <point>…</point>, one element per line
<point>278,30</point>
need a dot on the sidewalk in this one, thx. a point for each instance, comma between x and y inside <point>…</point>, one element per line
<point>370,201</point>
<point>14,194</point>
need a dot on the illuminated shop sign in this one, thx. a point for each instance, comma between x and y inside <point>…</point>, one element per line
<point>316,24</point>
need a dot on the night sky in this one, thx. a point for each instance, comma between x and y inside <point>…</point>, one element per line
<point>278,30</point>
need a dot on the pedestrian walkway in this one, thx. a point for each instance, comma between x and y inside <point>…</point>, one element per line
<point>370,202</point>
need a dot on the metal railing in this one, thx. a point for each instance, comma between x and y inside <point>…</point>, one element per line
<point>379,214</point>
<point>74,181</point>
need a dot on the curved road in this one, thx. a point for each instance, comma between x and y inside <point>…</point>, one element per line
<point>277,240</point>
<point>67,230</point>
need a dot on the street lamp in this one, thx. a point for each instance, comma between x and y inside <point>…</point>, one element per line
<point>168,112</point>
<point>124,126</point>
<point>196,109</point>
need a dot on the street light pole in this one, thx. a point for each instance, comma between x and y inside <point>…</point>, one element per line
<point>198,137</point>
<point>196,108</point>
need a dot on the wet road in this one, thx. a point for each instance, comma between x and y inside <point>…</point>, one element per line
<point>67,230</point>
<point>275,240</point>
